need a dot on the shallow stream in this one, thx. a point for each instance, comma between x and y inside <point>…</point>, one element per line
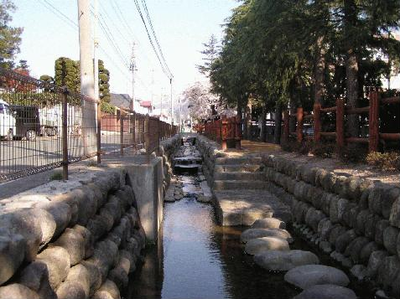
<point>197,259</point>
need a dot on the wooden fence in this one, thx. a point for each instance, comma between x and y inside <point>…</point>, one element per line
<point>341,110</point>
<point>223,130</point>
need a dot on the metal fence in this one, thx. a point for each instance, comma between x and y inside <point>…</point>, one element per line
<point>43,126</point>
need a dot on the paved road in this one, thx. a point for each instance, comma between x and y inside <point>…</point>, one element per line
<point>23,155</point>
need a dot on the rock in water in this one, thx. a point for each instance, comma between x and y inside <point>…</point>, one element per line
<point>326,291</point>
<point>274,260</point>
<point>256,246</point>
<point>269,223</point>
<point>256,233</point>
<point>310,275</point>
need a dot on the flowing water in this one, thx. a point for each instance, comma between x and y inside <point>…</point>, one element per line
<point>197,259</point>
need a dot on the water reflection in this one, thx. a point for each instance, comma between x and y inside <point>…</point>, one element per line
<point>197,259</point>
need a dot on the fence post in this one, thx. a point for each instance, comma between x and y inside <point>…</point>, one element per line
<point>121,131</point>
<point>286,129</point>
<point>374,121</point>
<point>65,133</point>
<point>224,124</point>
<point>300,117</point>
<point>98,132</point>
<point>317,122</point>
<point>340,123</point>
<point>147,136</point>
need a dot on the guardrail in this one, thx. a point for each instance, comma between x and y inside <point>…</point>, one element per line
<point>340,111</point>
<point>43,126</point>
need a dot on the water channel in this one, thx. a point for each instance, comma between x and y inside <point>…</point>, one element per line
<point>197,259</point>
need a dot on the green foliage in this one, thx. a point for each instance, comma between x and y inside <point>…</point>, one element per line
<point>275,51</point>
<point>210,54</point>
<point>104,86</point>
<point>384,161</point>
<point>67,74</point>
<point>9,36</point>
<point>107,108</point>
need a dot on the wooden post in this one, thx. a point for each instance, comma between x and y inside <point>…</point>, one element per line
<point>121,132</point>
<point>286,129</point>
<point>65,134</point>
<point>98,133</point>
<point>224,124</point>
<point>340,123</point>
<point>299,129</point>
<point>317,122</point>
<point>374,121</point>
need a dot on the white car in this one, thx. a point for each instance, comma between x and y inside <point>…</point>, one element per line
<point>7,121</point>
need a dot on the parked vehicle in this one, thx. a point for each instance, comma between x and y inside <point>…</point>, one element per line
<point>7,121</point>
<point>27,121</point>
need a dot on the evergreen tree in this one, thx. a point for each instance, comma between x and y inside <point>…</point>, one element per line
<point>67,74</point>
<point>210,54</point>
<point>9,36</point>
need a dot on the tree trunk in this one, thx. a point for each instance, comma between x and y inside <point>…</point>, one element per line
<point>292,120</point>
<point>263,133</point>
<point>319,71</point>
<point>350,11</point>
<point>247,120</point>
<point>278,123</point>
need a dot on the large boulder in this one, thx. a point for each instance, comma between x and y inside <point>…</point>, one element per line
<point>276,260</point>
<point>58,264</point>
<point>269,223</point>
<point>326,291</point>
<point>12,252</point>
<point>17,291</point>
<point>311,275</point>
<point>74,243</point>
<point>36,277</point>
<point>256,233</point>
<point>256,246</point>
<point>108,290</point>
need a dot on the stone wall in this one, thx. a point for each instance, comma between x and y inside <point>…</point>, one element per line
<point>356,220</point>
<point>74,242</point>
<point>167,149</point>
<point>210,151</point>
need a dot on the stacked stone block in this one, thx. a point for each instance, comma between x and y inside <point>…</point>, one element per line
<point>80,244</point>
<point>356,220</point>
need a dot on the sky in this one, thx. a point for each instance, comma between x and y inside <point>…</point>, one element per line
<point>181,26</point>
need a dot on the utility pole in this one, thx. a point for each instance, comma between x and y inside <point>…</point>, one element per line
<point>96,46</point>
<point>132,68</point>
<point>172,104</point>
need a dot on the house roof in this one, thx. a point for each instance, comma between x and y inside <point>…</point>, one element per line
<point>146,104</point>
<point>120,100</point>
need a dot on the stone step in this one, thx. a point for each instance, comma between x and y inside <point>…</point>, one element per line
<point>241,161</point>
<point>242,176</point>
<point>237,168</point>
<point>238,185</point>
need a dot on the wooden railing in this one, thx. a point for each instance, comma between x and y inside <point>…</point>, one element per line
<point>223,130</point>
<point>374,134</point>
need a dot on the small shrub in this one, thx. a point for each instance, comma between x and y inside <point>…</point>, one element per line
<point>384,161</point>
<point>56,176</point>
<point>323,149</point>
<point>92,164</point>
<point>353,153</point>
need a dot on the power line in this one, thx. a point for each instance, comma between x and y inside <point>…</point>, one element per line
<point>155,36</point>
<point>60,14</point>
<point>166,72</point>
<point>121,17</point>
